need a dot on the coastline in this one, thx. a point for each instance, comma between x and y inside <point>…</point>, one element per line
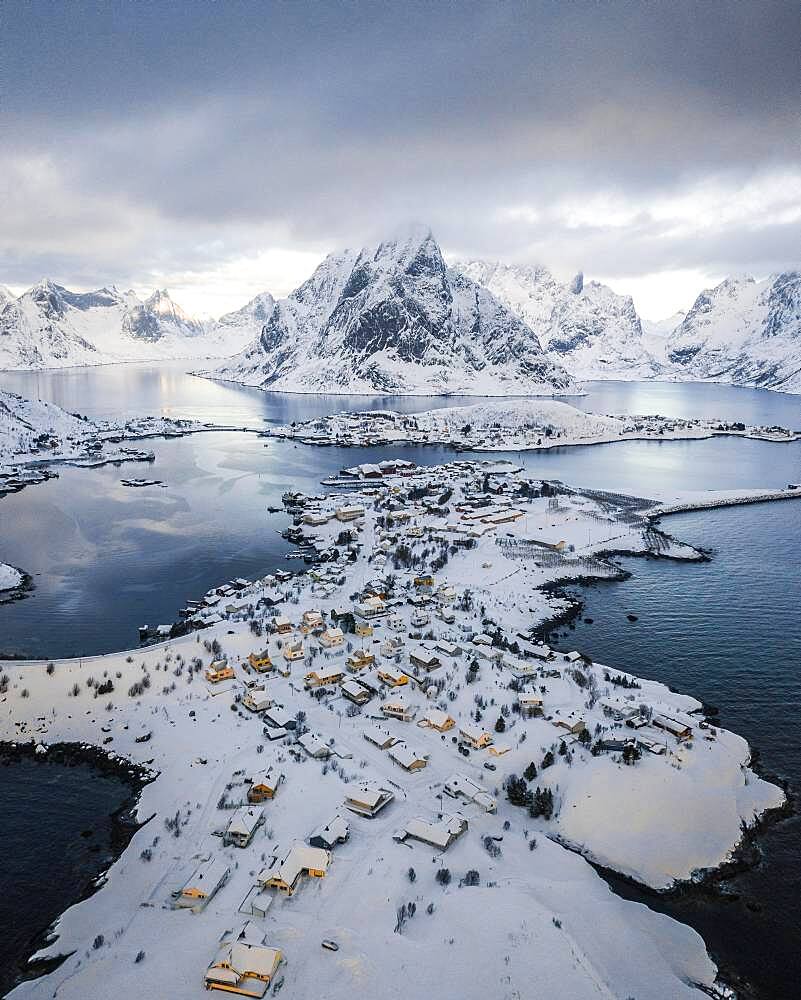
<point>206,701</point>
<point>123,827</point>
<point>20,590</point>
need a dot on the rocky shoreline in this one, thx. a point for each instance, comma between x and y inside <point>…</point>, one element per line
<point>706,885</point>
<point>124,825</point>
<point>21,591</point>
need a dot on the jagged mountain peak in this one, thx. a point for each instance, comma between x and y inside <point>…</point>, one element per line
<point>392,317</point>
<point>587,327</point>
<point>252,316</point>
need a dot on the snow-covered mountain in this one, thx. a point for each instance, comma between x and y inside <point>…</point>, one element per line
<point>250,318</point>
<point>50,326</point>
<point>585,326</point>
<point>744,332</point>
<point>395,318</point>
<point>159,317</point>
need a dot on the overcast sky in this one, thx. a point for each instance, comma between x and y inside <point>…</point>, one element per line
<point>221,149</point>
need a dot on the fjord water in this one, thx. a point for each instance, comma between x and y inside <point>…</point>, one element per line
<point>58,836</point>
<point>106,559</point>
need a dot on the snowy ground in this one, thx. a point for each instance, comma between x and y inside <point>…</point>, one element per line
<point>9,577</point>
<point>540,923</point>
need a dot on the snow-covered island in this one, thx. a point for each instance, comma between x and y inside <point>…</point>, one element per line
<point>376,772</point>
<point>512,425</point>
<point>10,578</point>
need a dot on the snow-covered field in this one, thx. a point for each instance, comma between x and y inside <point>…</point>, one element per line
<point>539,922</point>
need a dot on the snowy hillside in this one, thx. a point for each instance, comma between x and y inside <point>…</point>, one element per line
<point>593,332</point>
<point>52,327</point>
<point>395,319</point>
<point>744,332</point>
<point>26,425</point>
<point>516,415</point>
<point>661,327</point>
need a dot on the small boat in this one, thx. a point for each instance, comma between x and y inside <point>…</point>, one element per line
<point>330,945</point>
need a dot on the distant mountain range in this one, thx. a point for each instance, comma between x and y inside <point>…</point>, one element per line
<point>51,327</point>
<point>396,318</point>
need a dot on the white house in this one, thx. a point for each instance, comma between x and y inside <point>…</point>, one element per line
<point>257,700</point>
<point>314,746</point>
<point>440,834</point>
<point>460,786</point>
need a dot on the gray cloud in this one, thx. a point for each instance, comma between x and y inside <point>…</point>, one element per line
<point>151,138</point>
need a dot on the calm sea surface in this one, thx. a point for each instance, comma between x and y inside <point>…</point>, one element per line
<point>106,559</point>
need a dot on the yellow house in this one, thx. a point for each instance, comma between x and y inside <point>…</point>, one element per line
<point>358,659</point>
<point>325,675</point>
<point>265,785</point>
<point>363,629</point>
<point>294,651</point>
<point>242,965</point>
<point>301,860</point>
<point>393,676</point>
<point>202,884</point>
<point>261,661</point>
<point>435,718</point>
<point>218,671</point>
<point>477,737</point>
<point>421,582</point>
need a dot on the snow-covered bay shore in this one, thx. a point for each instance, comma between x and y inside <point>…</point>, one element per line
<point>514,425</point>
<point>444,606</point>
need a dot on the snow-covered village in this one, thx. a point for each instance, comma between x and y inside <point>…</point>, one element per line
<point>353,763</point>
<point>400,480</point>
